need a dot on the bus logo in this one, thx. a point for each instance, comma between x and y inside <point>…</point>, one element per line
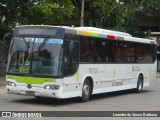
<point>29,86</point>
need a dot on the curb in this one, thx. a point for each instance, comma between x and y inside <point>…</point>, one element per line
<point>2,83</point>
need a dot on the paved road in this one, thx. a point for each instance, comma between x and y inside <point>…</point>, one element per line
<point>148,100</point>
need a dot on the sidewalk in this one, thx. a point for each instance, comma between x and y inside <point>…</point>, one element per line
<point>2,81</point>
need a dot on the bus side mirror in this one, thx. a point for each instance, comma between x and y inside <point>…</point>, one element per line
<point>6,42</point>
<point>8,35</point>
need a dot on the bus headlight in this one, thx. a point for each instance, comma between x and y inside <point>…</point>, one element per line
<point>9,83</point>
<point>47,87</point>
<point>52,87</point>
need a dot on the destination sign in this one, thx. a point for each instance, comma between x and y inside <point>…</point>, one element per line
<point>38,31</point>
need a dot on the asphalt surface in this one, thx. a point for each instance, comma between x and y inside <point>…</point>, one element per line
<point>148,100</point>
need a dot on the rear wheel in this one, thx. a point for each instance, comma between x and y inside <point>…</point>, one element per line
<point>139,84</point>
<point>86,91</point>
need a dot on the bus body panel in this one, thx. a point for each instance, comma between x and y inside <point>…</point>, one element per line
<point>71,87</point>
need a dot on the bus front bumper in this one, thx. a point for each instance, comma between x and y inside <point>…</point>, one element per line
<point>34,91</point>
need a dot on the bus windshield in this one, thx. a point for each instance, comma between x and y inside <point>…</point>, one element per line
<point>36,56</point>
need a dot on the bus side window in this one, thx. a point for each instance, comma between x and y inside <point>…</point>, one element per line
<point>111,47</point>
<point>154,52</point>
<point>140,53</point>
<point>121,52</point>
<point>131,52</point>
<point>101,51</point>
<point>70,56</point>
<point>86,49</point>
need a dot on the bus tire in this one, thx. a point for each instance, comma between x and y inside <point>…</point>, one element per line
<point>139,84</point>
<point>86,91</point>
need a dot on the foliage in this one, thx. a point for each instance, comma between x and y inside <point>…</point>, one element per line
<point>120,15</point>
<point>14,12</point>
<point>151,8</point>
<point>102,13</point>
<point>131,7</point>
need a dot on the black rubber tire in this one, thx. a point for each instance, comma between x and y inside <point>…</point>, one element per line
<point>139,84</point>
<point>86,91</point>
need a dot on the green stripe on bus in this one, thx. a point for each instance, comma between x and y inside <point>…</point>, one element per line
<point>86,33</point>
<point>30,80</point>
<point>77,75</point>
<point>93,34</point>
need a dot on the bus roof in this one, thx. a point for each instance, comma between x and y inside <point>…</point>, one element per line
<point>112,34</point>
<point>99,32</point>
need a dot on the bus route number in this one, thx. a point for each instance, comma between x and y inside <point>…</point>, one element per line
<point>93,70</point>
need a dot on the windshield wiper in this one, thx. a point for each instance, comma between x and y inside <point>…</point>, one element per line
<point>27,44</point>
<point>42,44</point>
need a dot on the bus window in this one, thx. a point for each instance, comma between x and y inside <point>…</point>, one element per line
<point>148,54</point>
<point>95,50</point>
<point>86,49</point>
<point>140,53</point>
<point>144,53</point>
<point>70,56</point>
<point>154,52</point>
<point>121,52</point>
<point>158,61</point>
<point>18,59</point>
<point>111,49</point>
<point>101,50</point>
<point>131,52</point>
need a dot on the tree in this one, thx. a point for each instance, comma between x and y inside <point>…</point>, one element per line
<point>122,15</point>
<point>151,8</point>
<point>102,13</point>
<point>131,7</point>
<point>140,10</point>
<point>14,12</point>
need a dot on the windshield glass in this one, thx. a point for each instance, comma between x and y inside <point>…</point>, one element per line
<point>37,56</point>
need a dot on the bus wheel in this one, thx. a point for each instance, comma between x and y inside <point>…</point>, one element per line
<point>139,84</point>
<point>86,91</point>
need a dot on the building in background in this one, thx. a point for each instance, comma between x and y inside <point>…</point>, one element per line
<point>154,27</point>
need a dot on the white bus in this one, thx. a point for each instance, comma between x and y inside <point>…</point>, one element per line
<point>64,62</point>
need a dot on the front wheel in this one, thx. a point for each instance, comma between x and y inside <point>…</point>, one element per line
<point>139,84</point>
<point>86,91</point>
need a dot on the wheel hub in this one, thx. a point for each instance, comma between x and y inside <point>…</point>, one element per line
<point>86,90</point>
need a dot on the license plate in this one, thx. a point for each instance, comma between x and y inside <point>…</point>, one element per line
<point>31,93</point>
